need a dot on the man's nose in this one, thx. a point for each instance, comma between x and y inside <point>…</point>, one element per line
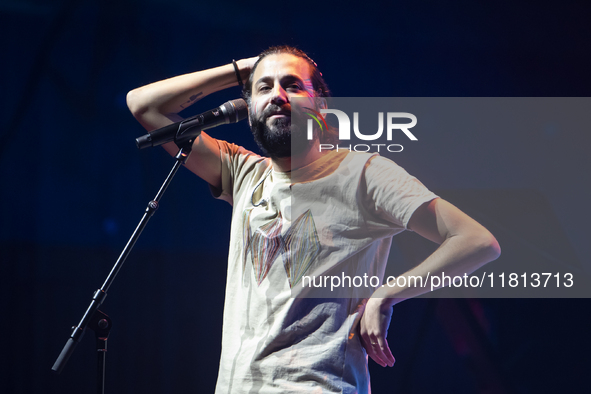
<point>279,95</point>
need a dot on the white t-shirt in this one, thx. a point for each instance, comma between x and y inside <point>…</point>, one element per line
<point>332,219</point>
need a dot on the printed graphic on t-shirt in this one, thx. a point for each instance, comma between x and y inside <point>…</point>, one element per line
<point>299,246</point>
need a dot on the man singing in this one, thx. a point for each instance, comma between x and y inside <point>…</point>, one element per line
<point>304,213</point>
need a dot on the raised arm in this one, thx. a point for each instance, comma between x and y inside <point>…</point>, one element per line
<point>158,104</point>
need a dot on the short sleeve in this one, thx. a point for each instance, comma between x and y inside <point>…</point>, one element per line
<point>393,194</point>
<point>238,166</point>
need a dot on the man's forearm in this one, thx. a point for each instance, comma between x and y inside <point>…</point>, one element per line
<point>171,96</point>
<point>157,105</point>
<point>456,256</point>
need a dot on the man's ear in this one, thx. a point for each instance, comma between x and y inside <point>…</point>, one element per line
<point>322,105</point>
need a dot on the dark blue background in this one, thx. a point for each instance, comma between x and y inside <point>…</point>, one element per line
<point>74,185</point>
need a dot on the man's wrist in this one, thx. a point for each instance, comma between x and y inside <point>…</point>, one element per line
<point>385,298</point>
<point>237,72</point>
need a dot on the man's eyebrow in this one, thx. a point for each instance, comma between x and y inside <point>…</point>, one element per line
<point>263,79</point>
<point>285,77</point>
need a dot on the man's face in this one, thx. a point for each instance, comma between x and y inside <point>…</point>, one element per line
<point>278,79</point>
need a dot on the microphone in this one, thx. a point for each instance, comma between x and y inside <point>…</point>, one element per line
<point>230,112</point>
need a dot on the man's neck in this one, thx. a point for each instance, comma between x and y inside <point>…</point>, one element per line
<point>286,164</point>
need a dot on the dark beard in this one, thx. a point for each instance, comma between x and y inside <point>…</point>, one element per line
<point>280,139</point>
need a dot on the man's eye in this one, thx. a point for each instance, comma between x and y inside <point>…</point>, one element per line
<point>294,86</point>
<point>264,88</point>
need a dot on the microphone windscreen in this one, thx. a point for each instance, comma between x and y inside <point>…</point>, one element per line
<point>237,109</point>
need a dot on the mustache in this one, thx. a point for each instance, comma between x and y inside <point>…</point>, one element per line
<point>274,109</point>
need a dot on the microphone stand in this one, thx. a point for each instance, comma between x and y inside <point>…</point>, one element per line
<point>97,320</point>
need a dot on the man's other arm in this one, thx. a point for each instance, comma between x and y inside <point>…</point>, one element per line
<point>158,104</point>
<point>465,245</point>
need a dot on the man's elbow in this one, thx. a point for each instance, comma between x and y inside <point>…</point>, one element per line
<point>487,246</point>
<point>133,100</point>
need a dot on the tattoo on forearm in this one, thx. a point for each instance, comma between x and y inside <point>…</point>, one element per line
<point>191,100</point>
